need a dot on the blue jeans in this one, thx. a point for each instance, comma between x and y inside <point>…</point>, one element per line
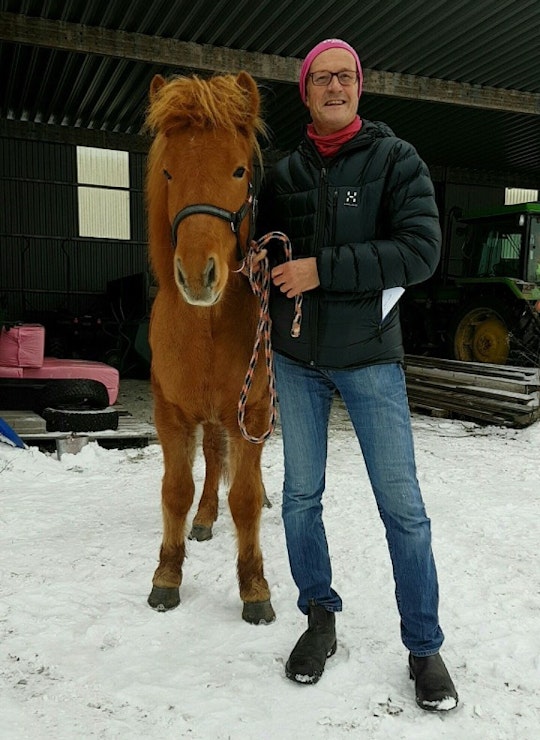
<point>376,400</point>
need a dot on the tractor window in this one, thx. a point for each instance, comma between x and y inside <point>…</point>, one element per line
<point>494,248</point>
<point>533,263</point>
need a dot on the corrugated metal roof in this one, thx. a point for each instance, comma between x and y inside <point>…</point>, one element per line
<point>485,43</point>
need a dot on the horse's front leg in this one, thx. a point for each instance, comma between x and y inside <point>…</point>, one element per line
<point>177,439</point>
<point>245,498</point>
<point>215,454</point>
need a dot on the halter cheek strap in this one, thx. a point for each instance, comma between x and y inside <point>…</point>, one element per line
<point>234,218</point>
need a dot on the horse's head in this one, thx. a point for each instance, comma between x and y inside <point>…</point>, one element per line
<point>199,180</point>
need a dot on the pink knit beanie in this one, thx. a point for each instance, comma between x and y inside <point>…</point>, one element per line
<point>324,46</point>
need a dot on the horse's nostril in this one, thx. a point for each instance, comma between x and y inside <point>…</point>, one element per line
<point>210,272</point>
<point>179,274</point>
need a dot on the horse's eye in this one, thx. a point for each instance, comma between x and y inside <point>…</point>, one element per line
<point>167,174</point>
<point>239,172</point>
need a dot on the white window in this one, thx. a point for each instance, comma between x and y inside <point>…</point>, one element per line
<point>519,195</point>
<point>103,190</point>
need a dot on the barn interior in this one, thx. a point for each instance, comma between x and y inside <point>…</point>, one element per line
<point>459,80</point>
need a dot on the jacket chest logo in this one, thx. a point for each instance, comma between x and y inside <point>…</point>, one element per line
<point>351,199</point>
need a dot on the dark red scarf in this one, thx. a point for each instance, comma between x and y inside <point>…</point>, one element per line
<point>330,144</point>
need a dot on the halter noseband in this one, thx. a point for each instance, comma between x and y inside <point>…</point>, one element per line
<point>234,218</point>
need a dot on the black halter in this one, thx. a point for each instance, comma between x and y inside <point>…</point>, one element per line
<point>234,218</point>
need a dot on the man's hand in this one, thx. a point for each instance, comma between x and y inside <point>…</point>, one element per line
<point>297,276</point>
<point>253,260</point>
<point>256,259</point>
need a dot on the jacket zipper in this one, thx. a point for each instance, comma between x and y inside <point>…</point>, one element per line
<point>322,210</point>
<point>334,216</point>
<point>314,304</point>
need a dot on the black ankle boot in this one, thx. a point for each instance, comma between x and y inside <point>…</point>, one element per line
<point>307,660</point>
<point>435,691</point>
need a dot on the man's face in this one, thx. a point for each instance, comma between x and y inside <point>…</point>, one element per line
<point>334,106</point>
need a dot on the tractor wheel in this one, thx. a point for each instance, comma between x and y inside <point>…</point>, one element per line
<point>482,333</point>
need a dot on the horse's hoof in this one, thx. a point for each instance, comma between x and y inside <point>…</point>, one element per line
<point>258,612</point>
<point>163,599</point>
<point>200,532</point>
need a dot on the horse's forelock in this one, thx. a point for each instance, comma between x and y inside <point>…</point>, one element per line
<point>218,102</point>
<point>214,103</point>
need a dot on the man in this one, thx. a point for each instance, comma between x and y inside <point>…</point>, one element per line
<point>357,204</point>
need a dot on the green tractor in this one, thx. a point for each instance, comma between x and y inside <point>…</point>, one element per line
<point>483,304</point>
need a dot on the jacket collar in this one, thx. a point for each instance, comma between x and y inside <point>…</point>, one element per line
<point>370,132</point>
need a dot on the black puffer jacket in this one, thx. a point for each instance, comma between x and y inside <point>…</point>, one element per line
<point>369,217</point>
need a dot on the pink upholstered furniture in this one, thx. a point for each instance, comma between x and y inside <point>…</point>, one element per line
<point>22,346</point>
<point>21,356</point>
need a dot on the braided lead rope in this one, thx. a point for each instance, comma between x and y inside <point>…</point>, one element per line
<point>260,285</point>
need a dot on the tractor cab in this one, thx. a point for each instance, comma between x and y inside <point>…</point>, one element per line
<point>504,244</point>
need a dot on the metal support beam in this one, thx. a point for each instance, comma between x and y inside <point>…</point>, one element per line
<point>21,29</point>
<point>414,87</point>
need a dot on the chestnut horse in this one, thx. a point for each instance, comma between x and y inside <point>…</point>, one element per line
<point>204,319</point>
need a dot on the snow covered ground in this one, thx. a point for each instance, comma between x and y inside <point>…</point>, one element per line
<point>83,656</point>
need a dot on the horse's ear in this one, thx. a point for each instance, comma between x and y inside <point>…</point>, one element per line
<point>157,83</point>
<point>246,81</point>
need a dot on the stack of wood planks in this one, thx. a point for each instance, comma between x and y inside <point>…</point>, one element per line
<point>502,395</point>
<point>32,429</point>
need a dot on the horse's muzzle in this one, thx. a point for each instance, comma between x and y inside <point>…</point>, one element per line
<point>201,289</point>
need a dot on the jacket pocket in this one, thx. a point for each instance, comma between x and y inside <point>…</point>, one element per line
<point>353,215</point>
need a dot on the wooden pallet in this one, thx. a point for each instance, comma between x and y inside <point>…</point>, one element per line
<point>31,428</point>
<point>486,393</point>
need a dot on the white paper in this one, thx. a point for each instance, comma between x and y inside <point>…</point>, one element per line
<point>390,297</point>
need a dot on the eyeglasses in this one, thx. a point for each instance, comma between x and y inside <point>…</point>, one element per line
<point>323,78</point>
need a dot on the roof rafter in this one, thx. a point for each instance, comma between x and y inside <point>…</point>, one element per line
<point>60,35</point>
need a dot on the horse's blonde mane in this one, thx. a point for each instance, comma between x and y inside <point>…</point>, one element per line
<point>215,103</point>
